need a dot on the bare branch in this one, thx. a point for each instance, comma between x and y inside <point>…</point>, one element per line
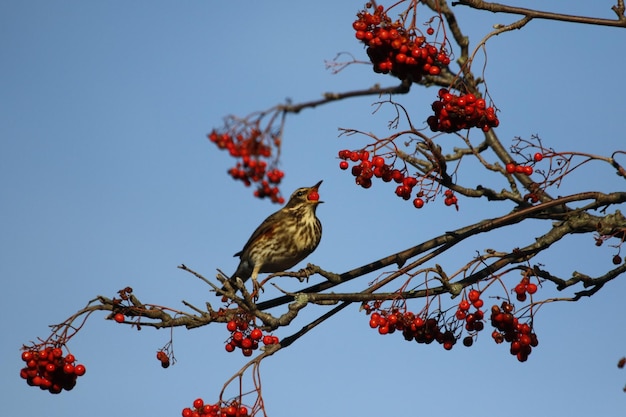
<point>537,14</point>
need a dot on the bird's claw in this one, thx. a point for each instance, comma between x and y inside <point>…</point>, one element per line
<point>257,288</point>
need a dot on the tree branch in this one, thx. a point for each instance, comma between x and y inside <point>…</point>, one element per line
<point>403,88</point>
<point>537,14</point>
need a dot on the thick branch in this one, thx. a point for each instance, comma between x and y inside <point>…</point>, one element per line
<point>452,238</point>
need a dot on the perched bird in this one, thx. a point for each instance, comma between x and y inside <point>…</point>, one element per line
<point>284,238</point>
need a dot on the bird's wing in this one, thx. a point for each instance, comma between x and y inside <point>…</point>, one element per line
<point>265,228</point>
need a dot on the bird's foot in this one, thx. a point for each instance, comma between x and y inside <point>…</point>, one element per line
<point>257,288</point>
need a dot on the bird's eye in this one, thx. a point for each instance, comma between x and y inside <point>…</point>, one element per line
<point>301,193</point>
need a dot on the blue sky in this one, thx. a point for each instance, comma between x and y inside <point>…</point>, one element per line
<point>108,180</point>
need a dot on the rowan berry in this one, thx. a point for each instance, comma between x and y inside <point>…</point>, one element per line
<point>473,295</point>
<point>511,167</point>
<point>418,202</point>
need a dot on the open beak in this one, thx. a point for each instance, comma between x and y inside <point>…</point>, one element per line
<point>315,187</point>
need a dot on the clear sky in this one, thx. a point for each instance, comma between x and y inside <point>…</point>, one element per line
<point>108,180</point>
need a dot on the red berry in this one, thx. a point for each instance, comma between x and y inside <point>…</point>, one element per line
<point>397,175</point>
<point>359,25</point>
<point>198,403</point>
<point>343,165</point>
<point>531,288</point>
<point>410,182</point>
<point>119,317</point>
<point>473,295</point>
<point>268,340</point>
<point>538,157</point>
<point>430,31</point>
<point>510,167</point>
<point>435,70</point>
<point>256,334</point>
<point>231,326</point>
<point>79,370</point>
<point>528,170</point>
<point>313,196</point>
<point>229,347</point>
<point>418,202</point>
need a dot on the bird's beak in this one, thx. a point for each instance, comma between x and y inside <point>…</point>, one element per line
<point>315,187</point>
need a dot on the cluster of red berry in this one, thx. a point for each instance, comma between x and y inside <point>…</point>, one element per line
<point>509,329</point>
<point>424,329</point>
<point>515,168</point>
<point>268,188</point>
<point>200,409</point>
<point>473,320</point>
<point>450,199</point>
<point>368,168</point>
<point>365,169</point>
<point>454,113</point>
<point>48,369</point>
<point>524,287</point>
<point>394,49</point>
<point>251,148</point>
<point>163,358</point>
<point>413,327</point>
<point>247,339</point>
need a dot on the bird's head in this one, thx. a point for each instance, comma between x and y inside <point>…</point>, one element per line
<point>305,196</point>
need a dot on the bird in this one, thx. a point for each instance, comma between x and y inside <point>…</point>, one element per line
<point>285,238</point>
